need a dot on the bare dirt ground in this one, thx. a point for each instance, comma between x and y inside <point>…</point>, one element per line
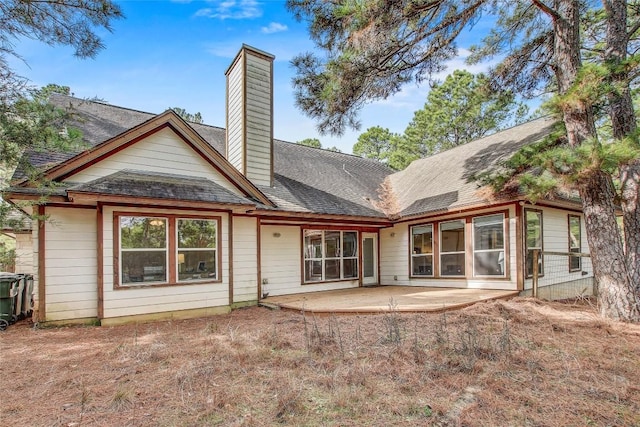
<point>516,363</point>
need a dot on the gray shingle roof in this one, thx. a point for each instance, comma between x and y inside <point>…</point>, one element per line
<point>306,179</point>
<point>165,186</point>
<point>444,181</point>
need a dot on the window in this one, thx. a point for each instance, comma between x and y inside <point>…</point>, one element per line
<point>575,262</point>
<point>488,245</point>
<point>197,248</point>
<point>330,255</point>
<point>422,250</point>
<point>161,250</point>
<point>533,236</point>
<point>143,247</point>
<point>452,248</point>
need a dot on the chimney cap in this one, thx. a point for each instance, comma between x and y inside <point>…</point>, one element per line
<point>252,50</point>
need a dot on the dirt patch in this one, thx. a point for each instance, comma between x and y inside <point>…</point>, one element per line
<point>519,362</point>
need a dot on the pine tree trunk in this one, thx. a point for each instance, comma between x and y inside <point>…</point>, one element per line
<point>617,298</point>
<point>623,121</point>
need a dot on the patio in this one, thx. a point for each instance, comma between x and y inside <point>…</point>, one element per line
<point>382,298</point>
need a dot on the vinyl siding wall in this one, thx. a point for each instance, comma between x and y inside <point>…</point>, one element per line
<point>235,117</point>
<point>140,301</point>
<point>70,269</point>
<point>281,262</point>
<point>162,152</point>
<point>245,259</point>
<point>24,254</point>
<point>395,257</point>
<point>258,126</point>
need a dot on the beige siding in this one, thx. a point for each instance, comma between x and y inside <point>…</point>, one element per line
<point>282,263</point>
<point>235,117</point>
<point>395,258</point>
<point>24,254</point>
<point>162,152</point>
<point>259,133</point>
<point>140,301</point>
<point>245,260</point>
<point>70,270</point>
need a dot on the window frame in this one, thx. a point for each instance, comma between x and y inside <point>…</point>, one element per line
<point>504,248</point>
<point>171,249</point>
<point>323,258</point>
<point>178,249</point>
<point>579,240</point>
<point>414,255</point>
<point>526,246</point>
<point>463,252</point>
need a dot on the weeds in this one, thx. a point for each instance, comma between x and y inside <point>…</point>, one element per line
<point>393,324</point>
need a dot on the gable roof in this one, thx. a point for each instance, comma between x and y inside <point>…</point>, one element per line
<point>444,181</point>
<point>307,180</point>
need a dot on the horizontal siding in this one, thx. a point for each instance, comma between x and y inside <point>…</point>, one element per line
<point>136,301</point>
<point>282,262</point>
<point>245,259</point>
<point>395,259</point>
<point>235,117</point>
<point>162,152</point>
<point>71,264</point>
<point>24,254</point>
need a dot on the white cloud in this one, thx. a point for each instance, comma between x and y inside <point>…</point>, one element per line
<point>232,9</point>
<point>274,27</point>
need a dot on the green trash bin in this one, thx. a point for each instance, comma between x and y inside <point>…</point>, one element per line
<point>17,302</point>
<point>8,291</point>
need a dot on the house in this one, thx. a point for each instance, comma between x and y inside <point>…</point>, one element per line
<point>161,218</point>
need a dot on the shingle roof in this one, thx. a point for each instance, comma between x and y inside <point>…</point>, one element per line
<point>313,180</point>
<point>306,179</point>
<point>445,181</point>
<point>161,185</point>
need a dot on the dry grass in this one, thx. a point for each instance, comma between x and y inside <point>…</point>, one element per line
<point>520,362</point>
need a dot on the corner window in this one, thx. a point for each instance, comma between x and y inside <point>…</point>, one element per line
<point>197,249</point>
<point>575,262</point>
<point>143,249</point>
<point>330,255</point>
<point>533,240</point>
<point>488,245</point>
<point>452,248</point>
<point>422,250</point>
<point>163,250</point>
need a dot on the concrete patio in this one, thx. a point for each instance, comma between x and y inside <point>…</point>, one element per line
<point>383,298</point>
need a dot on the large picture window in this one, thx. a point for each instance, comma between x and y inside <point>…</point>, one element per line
<point>533,235</point>
<point>165,249</point>
<point>330,255</point>
<point>422,250</point>
<point>488,245</point>
<point>452,248</point>
<point>575,237</point>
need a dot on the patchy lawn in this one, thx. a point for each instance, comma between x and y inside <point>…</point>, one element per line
<point>519,362</point>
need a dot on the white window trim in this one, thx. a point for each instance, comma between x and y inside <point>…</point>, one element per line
<point>503,250</point>
<point>323,259</point>
<point>463,252</point>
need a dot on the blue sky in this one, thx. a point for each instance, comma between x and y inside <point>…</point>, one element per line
<point>174,54</point>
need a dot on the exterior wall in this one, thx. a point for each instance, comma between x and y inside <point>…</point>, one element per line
<point>281,263</point>
<point>555,238</point>
<point>162,152</point>
<point>24,254</point>
<point>235,116</point>
<point>259,109</point>
<point>158,299</point>
<point>395,260</point>
<point>70,268</point>
<point>249,115</point>
<point>245,259</point>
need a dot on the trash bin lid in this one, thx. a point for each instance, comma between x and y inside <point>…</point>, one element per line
<point>4,276</point>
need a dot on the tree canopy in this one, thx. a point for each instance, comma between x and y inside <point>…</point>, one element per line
<point>194,118</point>
<point>310,142</point>
<point>585,54</point>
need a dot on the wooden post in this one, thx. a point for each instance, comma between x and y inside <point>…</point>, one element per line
<point>534,280</point>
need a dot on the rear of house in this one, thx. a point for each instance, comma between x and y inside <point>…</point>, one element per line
<point>161,218</point>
